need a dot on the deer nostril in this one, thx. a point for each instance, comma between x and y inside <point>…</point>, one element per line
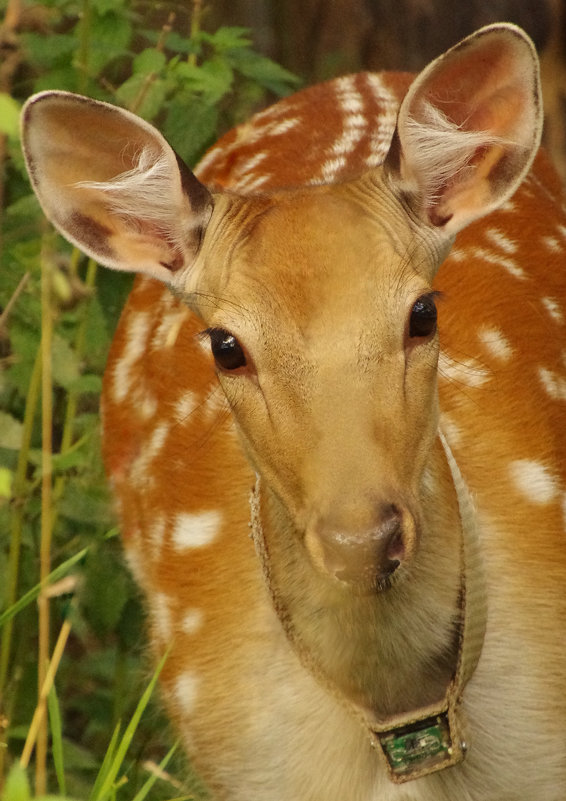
<point>368,557</point>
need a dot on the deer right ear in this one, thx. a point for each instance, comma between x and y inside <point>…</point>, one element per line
<point>468,128</point>
<point>113,186</point>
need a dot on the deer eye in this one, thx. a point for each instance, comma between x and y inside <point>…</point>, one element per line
<point>228,354</point>
<point>422,322</point>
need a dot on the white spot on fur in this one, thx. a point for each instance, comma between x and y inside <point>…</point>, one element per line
<point>283,126</point>
<point>193,620</point>
<point>168,329</point>
<point>149,406</point>
<point>554,384</point>
<point>185,406</point>
<point>508,264</point>
<point>136,345</point>
<point>157,535</point>
<point>464,371</point>
<point>456,254</point>
<point>552,244</point>
<point>251,182</point>
<point>331,168</point>
<point>554,309</point>
<point>136,562</point>
<point>534,480</point>
<point>501,241</point>
<point>451,430</point>
<point>185,691</point>
<point>496,343</point>
<point>140,469</point>
<point>161,612</point>
<point>381,131</point>
<point>196,530</point>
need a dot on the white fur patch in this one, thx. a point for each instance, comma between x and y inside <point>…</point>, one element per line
<point>185,406</point>
<point>554,309</point>
<point>552,244</point>
<point>186,690</point>
<point>196,530</point>
<point>501,241</point>
<point>496,343</point>
<point>451,430</point>
<point>464,371</point>
<point>161,612</point>
<point>554,384</point>
<point>534,480</point>
<point>508,264</point>
<point>193,620</point>
<point>136,345</point>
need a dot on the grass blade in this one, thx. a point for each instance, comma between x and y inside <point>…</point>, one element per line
<point>106,764</point>
<point>127,737</point>
<point>144,790</point>
<point>57,738</point>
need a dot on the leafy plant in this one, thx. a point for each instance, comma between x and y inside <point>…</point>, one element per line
<point>58,549</point>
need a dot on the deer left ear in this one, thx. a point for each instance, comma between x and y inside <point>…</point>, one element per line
<point>468,128</point>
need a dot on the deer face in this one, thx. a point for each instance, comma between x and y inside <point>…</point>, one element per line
<point>322,323</point>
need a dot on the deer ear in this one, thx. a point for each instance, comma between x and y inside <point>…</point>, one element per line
<point>113,186</point>
<point>468,128</point>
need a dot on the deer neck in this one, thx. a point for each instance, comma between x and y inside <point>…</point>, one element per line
<point>383,652</point>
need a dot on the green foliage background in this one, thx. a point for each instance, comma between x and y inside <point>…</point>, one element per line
<point>156,60</point>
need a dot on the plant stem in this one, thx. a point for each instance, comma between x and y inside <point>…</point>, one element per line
<point>39,717</point>
<point>73,396</point>
<point>46,505</point>
<point>84,47</point>
<point>196,16</point>
<point>8,66</point>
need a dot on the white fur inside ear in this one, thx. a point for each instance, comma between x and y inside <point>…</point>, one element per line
<point>143,196</point>
<point>441,151</point>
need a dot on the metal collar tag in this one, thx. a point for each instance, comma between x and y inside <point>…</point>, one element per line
<point>417,749</point>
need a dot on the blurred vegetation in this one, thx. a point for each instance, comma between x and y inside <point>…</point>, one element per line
<point>64,591</point>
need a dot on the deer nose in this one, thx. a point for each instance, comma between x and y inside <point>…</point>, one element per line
<point>369,557</point>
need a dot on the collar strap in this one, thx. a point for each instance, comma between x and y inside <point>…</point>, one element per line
<point>424,741</point>
<point>427,740</point>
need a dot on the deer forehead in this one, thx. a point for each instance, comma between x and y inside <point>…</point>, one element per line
<point>313,261</point>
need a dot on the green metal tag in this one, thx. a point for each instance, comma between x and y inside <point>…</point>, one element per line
<point>420,748</point>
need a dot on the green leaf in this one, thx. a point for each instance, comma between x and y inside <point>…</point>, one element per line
<point>47,52</point>
<point>264,71</point>
<point>191,127</point>
<point>213,79</point>
<point>10,432</point>
<point>9,115</point>
<point>17,785</point>
<point>228,38</point>
<point>106,6</point>
<point>66,368</point>
<point>148,61</point>
<point>6,480</point>
<point>88,383</point>
<point>109,36</point>
<point>56,738</point>
<point>105,592</point>
<point>106,788</point>
<point>143,95</point>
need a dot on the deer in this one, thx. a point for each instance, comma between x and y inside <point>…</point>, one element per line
<point>333,418</point>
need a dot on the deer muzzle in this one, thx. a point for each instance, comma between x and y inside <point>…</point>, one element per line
<point>365,558</point>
